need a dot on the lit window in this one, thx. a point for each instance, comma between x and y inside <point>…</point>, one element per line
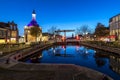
<point>117,18</point>
<point>13,33</point>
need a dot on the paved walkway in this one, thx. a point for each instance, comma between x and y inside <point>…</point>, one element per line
<point>5,62</point>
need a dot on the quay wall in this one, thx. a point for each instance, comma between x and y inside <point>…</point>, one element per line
<point>30,51</point>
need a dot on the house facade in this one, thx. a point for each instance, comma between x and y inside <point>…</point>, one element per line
<point>114,24</point>
<point>8,32</point>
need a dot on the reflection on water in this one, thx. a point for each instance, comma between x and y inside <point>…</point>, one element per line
<point>115,63</point>
<point>100,60</point>
<point>36,59</point>
<point>80,55</point>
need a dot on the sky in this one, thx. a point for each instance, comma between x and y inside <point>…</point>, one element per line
<point>63,14</point>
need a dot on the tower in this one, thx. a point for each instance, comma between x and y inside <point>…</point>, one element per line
<point>33,23</point>
<point>33,15</point>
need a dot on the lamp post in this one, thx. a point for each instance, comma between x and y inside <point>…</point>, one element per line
<point>94,37</point>
<point>86,34</point>
<point>54,36</point>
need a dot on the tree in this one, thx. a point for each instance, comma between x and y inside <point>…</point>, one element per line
<point>35,32</point>
<point>83,30</point>
<point>101,30</point>
<point>57,33</point>
<point>53,29</point>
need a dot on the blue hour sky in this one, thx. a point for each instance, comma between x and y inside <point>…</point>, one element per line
<point>64,14</point>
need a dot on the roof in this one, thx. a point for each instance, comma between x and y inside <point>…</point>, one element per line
<point>4,25</point>
<point>113,17</point>
<point>33,23</point>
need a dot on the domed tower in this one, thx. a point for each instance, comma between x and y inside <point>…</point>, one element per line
<point>33,23</point>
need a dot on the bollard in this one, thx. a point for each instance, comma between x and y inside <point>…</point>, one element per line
<point>7,61</point>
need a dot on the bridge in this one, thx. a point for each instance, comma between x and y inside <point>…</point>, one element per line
<point>68,41</point>
<point>64,32</point>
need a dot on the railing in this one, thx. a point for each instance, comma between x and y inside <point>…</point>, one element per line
<point>68,40</point>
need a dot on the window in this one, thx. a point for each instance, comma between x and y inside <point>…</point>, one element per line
<point>11,27</point>
<point>13,33</point>
<point>3,33</point>
<point>116,18</point>
<point>119,17</point>
<point>9,33</point>
<point>0,32</point>
<point>116,25</point>
<point>119,25</point>
<point>14,27</point>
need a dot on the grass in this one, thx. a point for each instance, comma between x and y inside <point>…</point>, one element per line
<point>9,49</point>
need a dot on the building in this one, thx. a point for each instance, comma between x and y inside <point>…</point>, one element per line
<point>21,39</point>
<point>8,32</point>
<point>114,24</point>
<point>45,36</point>
<point>28,37</point>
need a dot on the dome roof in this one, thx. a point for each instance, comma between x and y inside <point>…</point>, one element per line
<point>33,23</point>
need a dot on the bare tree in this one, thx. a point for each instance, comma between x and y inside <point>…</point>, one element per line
<point>53,29</point>
<point>83,30</point>
<point>78,31</point>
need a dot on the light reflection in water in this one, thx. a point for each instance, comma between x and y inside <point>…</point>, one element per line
<point>80,55</point>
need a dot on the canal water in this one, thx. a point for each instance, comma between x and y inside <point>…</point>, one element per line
<point>101,61</point>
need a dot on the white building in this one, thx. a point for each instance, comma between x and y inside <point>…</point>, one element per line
<point>114,24</point>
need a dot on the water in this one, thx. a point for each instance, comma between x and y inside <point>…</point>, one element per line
<point>104,62</point>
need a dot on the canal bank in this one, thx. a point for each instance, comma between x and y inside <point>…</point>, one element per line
<point>53,71</point>
<point>101,47</point>
<point>25,53</point>
<point>96,46</point>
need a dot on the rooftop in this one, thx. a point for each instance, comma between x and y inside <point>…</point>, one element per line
<point>33,23</point>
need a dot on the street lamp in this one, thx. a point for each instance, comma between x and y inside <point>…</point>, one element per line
<point>94,37</point>
<point>86,33</point>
